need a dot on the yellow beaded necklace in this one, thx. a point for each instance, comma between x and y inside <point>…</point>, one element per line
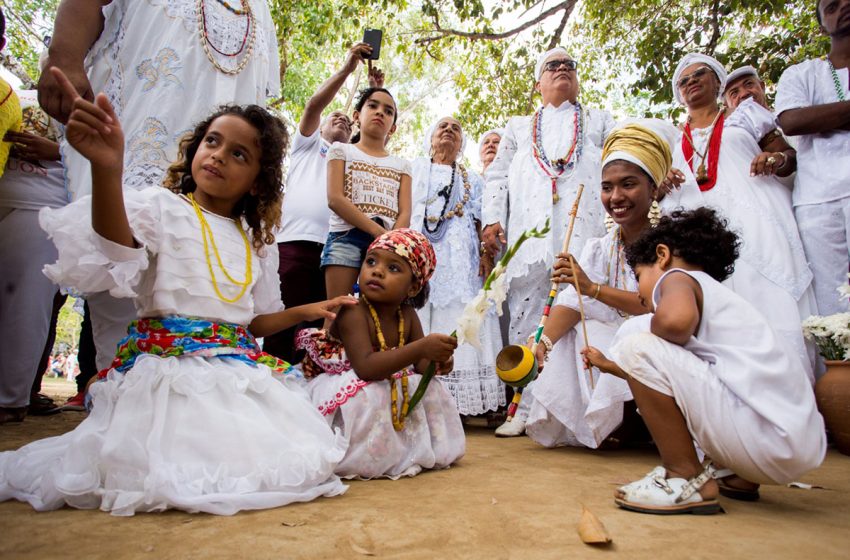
<point>398,421</point>
<point>207,231</point>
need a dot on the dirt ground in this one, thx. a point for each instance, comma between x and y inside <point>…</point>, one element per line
<point>506,499</point>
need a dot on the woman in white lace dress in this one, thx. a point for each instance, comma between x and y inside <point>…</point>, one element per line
<point>447,209</point>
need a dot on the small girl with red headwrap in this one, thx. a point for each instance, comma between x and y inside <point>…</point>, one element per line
<point>371,357</point>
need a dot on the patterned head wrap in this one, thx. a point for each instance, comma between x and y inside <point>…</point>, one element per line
<point>413,247</point>
<point>641,146</point>
<point>696,58</point>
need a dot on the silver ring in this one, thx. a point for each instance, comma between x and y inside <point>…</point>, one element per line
<point>771,160</point>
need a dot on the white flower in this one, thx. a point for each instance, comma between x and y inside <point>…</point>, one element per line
<point>470,321</point>
<point>498,292</point>
<point>844,290</point>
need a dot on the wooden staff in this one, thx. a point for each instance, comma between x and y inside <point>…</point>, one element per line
<point>553,291</point>
<point>583,324</point>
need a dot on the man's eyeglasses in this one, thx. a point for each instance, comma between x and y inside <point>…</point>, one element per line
<point>553,65</point>
<point>693,76</point>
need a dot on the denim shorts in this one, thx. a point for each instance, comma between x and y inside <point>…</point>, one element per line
<point>346,248</point>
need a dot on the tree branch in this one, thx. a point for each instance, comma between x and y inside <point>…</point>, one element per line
<point>556,36</point>
<point>715,24</point>
<point>441,33</point>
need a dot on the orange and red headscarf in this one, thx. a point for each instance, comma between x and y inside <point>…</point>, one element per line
<point>413,247</point>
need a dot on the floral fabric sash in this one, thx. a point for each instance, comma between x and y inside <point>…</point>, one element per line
<point>189,336</point>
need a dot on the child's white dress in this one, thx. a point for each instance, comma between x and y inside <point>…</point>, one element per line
<point>739,385</point>
<point>565,409</point>
<point>198,432</point>
<point>432,437</point>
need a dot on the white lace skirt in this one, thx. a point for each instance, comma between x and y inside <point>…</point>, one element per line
<point>198,434</point>
<point>432,437</point>
<point>473,382</point>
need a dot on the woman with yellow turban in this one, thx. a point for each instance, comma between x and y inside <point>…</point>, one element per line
<point>568,409</point>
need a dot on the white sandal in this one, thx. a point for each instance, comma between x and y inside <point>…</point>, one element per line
<point>655,493</point>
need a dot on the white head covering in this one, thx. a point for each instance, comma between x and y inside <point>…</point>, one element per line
<point>426,142</point>
<point>741,72</point>
<point>499,131</point>
<point>664,130</point>
<point>695,58</point>
<point>541,60</point>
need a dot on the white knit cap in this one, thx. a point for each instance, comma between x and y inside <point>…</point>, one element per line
<point>541,60</point>
<point>695,58</point>
<point>426,142</point>
<point>741,72</point>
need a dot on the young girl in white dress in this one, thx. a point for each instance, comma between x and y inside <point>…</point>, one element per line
<point>367,365</point>
<point>189,415</point>
<point>447,210</point>
<point>707,368</point>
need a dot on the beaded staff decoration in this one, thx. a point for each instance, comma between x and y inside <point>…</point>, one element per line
<point>555,169</point>
<point>206,232</point>
<point>553,291</point>
<point>248,39</point>
<point>398,419</point>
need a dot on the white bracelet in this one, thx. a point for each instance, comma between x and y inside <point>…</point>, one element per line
<point>547,343</point>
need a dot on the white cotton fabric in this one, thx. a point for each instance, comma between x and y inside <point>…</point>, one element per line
<point>473,383</point>
<point>742,390</point>
<point>150,62</point>
<point>371,183</point>
<point>167,274</point>
<point>823,160</point>
<point>193,433</point>
<point>432,437</point>
<point>694,58</point>
<point>566,410</point>
<point>541,60</point>
<point>772,272</point>
<point>305,211</point>
<point>825,231</point>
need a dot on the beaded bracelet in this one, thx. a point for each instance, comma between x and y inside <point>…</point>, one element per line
<point>598,289</point>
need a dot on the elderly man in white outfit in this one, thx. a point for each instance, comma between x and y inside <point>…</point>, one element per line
<point>541,161</point>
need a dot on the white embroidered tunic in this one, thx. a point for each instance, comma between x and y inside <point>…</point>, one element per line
<point>150,62</point>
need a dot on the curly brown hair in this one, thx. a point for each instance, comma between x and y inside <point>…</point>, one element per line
<point>261,210</point>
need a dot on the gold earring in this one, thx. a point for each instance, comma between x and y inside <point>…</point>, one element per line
<point>609,222</point>
<point>654,214</point>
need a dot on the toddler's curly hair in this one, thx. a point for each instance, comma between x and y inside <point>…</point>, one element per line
<point>262,210</point>
<point>699,237</point>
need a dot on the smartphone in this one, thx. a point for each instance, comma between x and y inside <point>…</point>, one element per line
<point>373,37</point>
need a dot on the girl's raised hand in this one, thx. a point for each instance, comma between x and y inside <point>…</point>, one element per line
<point>93,128</point>
<point>326,309</point>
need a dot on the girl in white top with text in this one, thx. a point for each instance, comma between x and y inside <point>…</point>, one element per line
<point>369,190</point>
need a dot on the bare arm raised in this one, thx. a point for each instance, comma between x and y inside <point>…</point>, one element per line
<point>94,131</point>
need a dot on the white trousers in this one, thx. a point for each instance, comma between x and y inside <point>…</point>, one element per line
<point>109,319</point>
<point>825,232</point>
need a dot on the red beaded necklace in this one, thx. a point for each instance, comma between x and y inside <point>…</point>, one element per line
<point>246,11</point>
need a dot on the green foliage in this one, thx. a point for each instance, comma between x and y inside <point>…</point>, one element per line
<point>627,49</point>
<point>68,326</point>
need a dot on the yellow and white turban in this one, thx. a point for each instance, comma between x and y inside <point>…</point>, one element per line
<point>640,145</point>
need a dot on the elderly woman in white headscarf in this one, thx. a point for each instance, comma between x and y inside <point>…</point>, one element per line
<point>717,150</point>
<point>447,209</point>
<point>488,145</point>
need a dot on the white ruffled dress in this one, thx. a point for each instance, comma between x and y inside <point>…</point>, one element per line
<point>432,437</point>
<point>209,434</point>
